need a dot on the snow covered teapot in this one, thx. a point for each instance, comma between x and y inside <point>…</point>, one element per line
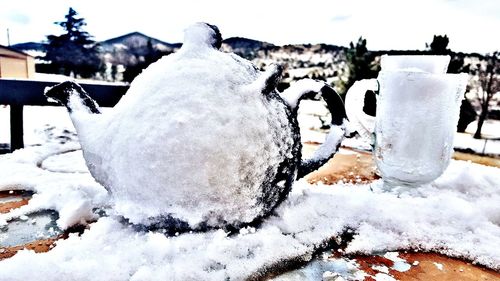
<point>201,140</point>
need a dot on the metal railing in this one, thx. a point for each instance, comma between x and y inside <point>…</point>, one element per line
<point>18,93</point>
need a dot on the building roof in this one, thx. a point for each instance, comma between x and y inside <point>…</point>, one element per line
<point>12,53</point>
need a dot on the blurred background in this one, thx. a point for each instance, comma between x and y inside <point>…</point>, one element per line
<point>336,41</point>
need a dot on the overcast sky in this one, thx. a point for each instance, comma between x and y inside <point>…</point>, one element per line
<point>472,26</point>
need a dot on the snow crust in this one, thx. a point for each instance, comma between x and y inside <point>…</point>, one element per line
<point>457,215</point>
<point>73,194</point>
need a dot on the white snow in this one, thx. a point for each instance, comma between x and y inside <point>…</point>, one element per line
<point>438,265</point>
<point>422,63</point>
<point>69,162</point>
<point>399,264</point>
<point>481,146</point>
<point>381,268</point>
<point>293,94</point>
<point>332,141</point>
<point>489,130</point>
<point>205,152</point>
<point>72,194</point>
<point>40,123</point>
<point>457,215</point>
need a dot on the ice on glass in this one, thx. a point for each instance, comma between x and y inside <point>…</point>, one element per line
<point>418,63</point>
<point>417,114</point>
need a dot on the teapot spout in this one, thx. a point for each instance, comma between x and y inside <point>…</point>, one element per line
<point>73,97</point>
<point>83,110</point>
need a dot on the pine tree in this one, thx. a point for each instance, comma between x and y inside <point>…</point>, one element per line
<point>73,52</point>
<point>361,64</point>
<point>439,45</point>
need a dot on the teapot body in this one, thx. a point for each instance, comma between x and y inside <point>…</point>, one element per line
<point>201,147</point>
<point>201,140</point>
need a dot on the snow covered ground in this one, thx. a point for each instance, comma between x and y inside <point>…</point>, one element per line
<point>489,145</point>
<point>486,146</point>
<point>457,215</point>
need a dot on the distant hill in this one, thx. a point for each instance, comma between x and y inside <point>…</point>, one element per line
<point>137,43</point>
<point>245,47</point>
<point>134,48</point>
<point>322,47</point>
<point>245,43</point>
<point>248,48</point>
<point>29,46</point>
<point>131,40</point>
<point>136,40</point>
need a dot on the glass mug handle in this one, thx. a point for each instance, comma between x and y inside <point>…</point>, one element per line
<point>363,123</point>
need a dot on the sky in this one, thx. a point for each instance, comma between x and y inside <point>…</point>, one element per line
<point>471,25</point>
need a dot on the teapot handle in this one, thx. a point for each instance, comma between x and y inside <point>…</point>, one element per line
<point>310,89</point>
<point>361,122</point>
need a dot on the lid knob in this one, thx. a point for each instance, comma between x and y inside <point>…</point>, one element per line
<point>202,35</point>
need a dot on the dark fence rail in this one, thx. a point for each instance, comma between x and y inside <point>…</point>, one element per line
<point>17,93</point>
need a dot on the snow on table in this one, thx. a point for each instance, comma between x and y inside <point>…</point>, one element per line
<point>457,215</point>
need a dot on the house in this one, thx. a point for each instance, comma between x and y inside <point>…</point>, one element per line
<point>15,64</point>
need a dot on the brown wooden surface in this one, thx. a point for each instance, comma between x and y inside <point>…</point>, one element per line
<point>348,166</point>
<point>7,206</point>
<point>452,270</point>
<point>39,246</point>
<point>479,159</point>
<point>428,266</point>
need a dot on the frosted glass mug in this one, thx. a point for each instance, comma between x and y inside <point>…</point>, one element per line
<point>416,118</point>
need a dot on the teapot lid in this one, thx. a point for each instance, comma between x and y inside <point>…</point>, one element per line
<point>202,35</point>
